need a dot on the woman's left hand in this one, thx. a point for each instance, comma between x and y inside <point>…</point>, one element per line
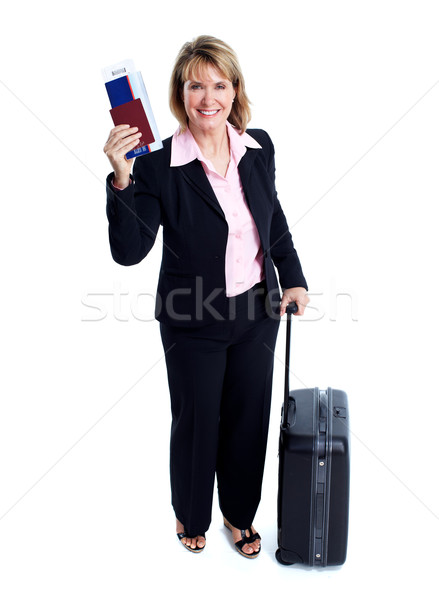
<point>297,295</point>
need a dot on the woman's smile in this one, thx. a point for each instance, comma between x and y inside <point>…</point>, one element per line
<point>209,113</point>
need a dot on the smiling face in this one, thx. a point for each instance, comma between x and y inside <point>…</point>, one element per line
<point>208,101</point>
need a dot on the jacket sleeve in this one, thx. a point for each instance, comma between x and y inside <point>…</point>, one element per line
<point>283,252</point>
<point>134,213</point>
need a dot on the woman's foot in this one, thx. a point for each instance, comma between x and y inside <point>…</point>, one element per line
<point>196,543</point>
<point>249,549</point>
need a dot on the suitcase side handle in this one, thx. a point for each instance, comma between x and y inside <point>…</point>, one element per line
<point>291,309</point>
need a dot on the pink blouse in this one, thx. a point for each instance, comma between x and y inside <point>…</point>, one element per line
<point>244,257</point>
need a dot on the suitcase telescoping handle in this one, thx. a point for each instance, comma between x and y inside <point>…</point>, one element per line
<point>291,309</point>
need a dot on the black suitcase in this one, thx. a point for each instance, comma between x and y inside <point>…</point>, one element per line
<point>313,495</point>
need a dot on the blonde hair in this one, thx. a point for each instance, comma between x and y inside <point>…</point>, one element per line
<point>194,56</point>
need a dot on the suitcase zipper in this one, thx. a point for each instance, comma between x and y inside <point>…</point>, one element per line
<point>322,476</point>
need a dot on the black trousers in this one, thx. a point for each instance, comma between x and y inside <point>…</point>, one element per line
<point>220,382</point>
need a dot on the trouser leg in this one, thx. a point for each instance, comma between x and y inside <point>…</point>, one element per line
<point>196,367</point>
<point>244,421</point>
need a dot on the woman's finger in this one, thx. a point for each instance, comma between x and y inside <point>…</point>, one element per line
<point>122,128</point>
<point>123,143</point>
<point>117,150</point>
<point>116,138</point>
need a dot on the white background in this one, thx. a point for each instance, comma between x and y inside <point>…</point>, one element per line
<point>349,94</point>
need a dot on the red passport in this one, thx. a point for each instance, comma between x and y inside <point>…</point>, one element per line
<point>134,114</point>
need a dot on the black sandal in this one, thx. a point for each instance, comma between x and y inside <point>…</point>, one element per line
<point>245,540</point>
<point>196,550</point>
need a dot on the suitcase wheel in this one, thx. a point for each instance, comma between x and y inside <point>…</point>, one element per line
<point>280,559</point>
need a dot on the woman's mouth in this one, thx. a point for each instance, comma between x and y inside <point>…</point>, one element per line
<point>208,113</point>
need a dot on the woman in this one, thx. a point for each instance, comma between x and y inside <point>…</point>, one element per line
<point>212,189</point>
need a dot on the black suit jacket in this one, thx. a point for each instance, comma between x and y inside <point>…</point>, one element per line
<point>191,287</point>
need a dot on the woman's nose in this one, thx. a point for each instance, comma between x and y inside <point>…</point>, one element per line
<point>208,97</point>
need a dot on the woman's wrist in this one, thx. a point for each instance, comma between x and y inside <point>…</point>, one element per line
<point>121,183</point>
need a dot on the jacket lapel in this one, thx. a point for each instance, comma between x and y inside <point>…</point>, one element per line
<point>245,168</point>
<point>195,176</point>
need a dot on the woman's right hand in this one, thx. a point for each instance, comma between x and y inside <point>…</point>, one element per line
<point>121,140</point>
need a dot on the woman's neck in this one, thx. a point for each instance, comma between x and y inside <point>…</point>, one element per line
<point>213,144</point>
